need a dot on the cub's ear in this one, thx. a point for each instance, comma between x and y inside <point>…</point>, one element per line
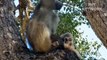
<point>58,5</point>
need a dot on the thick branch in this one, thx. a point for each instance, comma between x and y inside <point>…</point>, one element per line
<point>97,16</point>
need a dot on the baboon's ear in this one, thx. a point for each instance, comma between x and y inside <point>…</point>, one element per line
<point>58,5</point>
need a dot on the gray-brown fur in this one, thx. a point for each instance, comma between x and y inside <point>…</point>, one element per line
<point>68,44</point>
<point>43,23</point>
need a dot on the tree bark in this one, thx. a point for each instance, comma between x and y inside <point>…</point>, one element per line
<point>11,45</point>
<point>96,13</point>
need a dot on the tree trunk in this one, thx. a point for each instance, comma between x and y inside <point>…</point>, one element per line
<point>96,13</point>
<point>11,45</point>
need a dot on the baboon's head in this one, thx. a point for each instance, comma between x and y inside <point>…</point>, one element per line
<point>51,4</point>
